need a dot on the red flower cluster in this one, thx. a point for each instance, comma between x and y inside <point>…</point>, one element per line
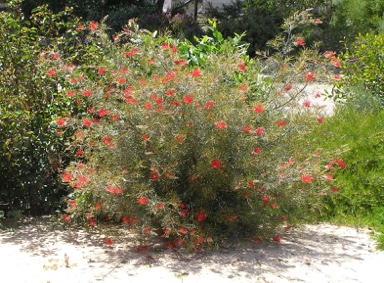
<point>215,163</point>
<point>259,108</point>
<point>114,190</point>
<point>221,125</point>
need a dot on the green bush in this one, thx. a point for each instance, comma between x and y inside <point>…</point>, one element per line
<point>31,147</point>
<point>363,64</point>
<point>356,130</point>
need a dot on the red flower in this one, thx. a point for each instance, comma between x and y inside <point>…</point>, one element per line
<point>257,150</point>
<point>115,117</point>
<point>102,112</point>
<point>335,189</point>
<point>174,48</point>
<point>72,203</point>
<point>242,67</point>
<point>170,92</point>
<point>221,125</point>
<point>147,105</point>
<point>142,200</point>
<point>93,25</point>
<point>201,216</point>
<point>179,138</point>
<point>280,123</point>
<point>55,56</point>
<point>265,198</point>
<point>320,119</point>
<point>209,104</point>
<point>340,163</point>
<point>259,108</point>
<point>160,206</point>
<point>154,175</point>
<point>121,80</point>
<point>184,212</point>
<point>243,88</point>
<point>101,71</point>
<point>329,54</point>
<point>66,218</point>
<point>70,93</point>
<point>60,121</point>
<point>51,72</point>
<point>181,62</point>
<point>106,140</point>
<point>307,103</point>
<point>318,21</point>
<point>196,72</point>
<point>300,41</point>
<point>108,241</point>
<point>309,76</point>
<point>259,131</point>
<point>79,152</point>
<point>288,87</point>
<point>114,190</point>
<point>329,176</point>
<point>92,222</point>
<point>183,230</point>
<point>246,129</point>
<point>66,177</point>
<point>98,205</point>
<point>170,75</point>
<point>215,163</point>
<point>307,178</point>
<point>187,99</point>
<point>87,92</point>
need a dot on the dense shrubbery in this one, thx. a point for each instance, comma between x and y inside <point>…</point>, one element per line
<point>363,64</point>
<point>31,149</point>
<point>356,128</point>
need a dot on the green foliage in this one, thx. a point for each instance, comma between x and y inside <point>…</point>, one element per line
<point>356,129</point>
<point>349,18</point>
<point>208,46</point>
<point>364,65</point>
<point>257,24</point>
<point>31,147</point>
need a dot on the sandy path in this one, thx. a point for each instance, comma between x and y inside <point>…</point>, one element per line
<point>313,253</point>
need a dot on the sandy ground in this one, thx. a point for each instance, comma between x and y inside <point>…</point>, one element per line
<point>312,253</point>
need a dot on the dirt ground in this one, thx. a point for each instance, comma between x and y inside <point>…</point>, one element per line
<point>312,253</point>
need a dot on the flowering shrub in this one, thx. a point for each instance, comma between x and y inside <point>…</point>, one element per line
<point>190,153</point>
